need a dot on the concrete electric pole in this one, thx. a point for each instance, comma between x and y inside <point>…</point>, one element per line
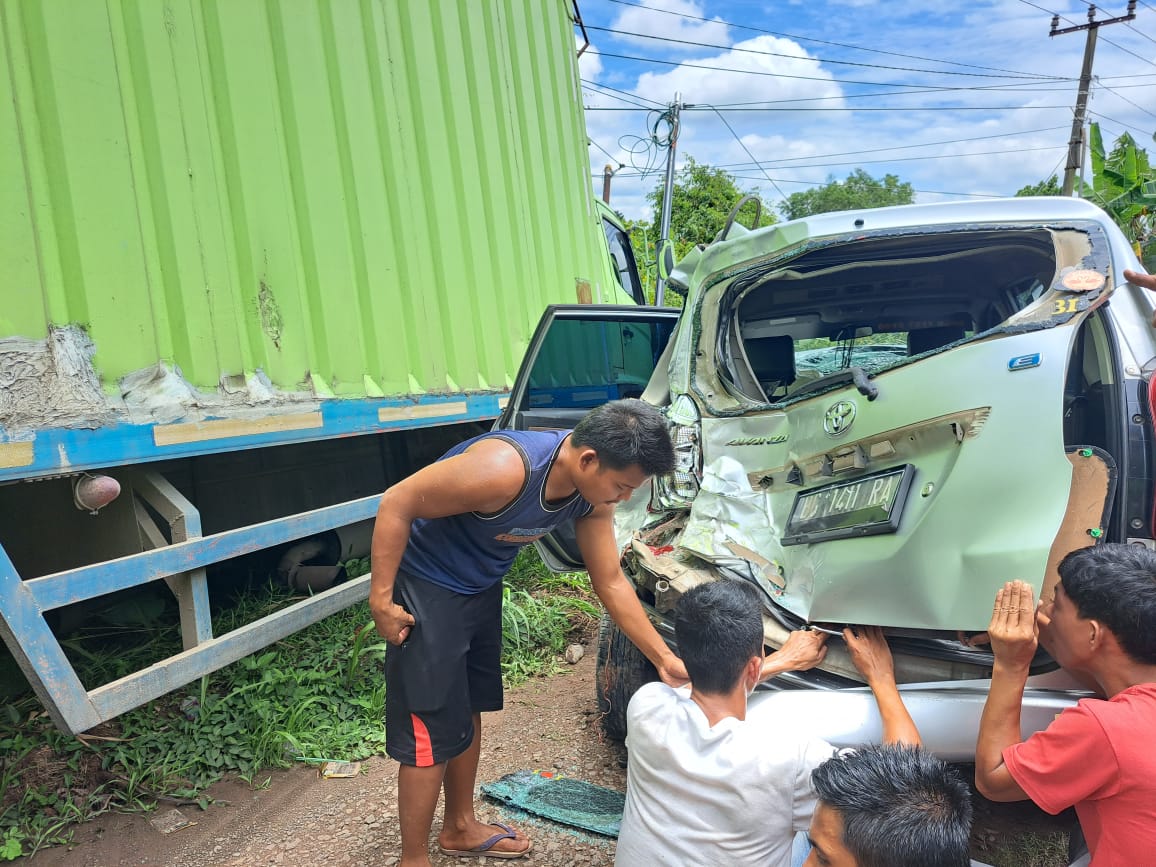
<point>667,194</point>
<point>1076,141</point>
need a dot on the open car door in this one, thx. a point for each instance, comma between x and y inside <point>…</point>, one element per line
<point>582,356</point>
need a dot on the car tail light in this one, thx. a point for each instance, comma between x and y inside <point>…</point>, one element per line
<point>679,488</point>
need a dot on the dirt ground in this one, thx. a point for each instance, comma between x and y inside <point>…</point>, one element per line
<point>300,819</point>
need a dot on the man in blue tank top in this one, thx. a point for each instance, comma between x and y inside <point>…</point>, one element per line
<point>443,540</point>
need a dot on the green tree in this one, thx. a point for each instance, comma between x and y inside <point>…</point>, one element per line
<point>860,190</point>
<point>1050,187</point>
<point>1124,185</point>
<point>642,241</point>
<point>702,200</point>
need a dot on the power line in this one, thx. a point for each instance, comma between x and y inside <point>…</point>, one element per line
<point>610,155</point>
<point>1141,33</point>
<point>856,162</point>
<point>1030,76</point>
<point>922,192</point>
<point>1003,88</point>
<point>1070,21</point>
<point>1128,51</point>
<point>653,102</point>
<point>1129,26</point>
<point>902,108</point>
<point>1118,122</point>
<point>742,144</point>
<point>629,102</point>
<point>817,41</point>
<point>1133,104</point>
<point>830,80</point>
<point>825,182</point>
<point>902,147</point>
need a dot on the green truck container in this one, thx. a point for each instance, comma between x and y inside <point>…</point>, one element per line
<point>257,259</point>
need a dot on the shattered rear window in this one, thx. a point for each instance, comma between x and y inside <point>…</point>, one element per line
<point>877,301</point>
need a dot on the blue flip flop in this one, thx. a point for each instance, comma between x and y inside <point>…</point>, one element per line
<point>485,848</point>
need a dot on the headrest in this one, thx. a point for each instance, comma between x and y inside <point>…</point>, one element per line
<point>920,340</point>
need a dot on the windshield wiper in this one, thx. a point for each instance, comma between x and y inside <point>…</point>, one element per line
<point>856,376</point>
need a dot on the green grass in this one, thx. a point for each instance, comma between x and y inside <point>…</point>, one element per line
<point>541,612</point>
<point>1028,849</point>
<point>319,692</point>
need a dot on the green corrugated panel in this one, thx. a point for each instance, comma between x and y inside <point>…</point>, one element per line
<point>382,188</point>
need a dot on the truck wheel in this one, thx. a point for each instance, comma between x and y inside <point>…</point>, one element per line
<point>620,670</point>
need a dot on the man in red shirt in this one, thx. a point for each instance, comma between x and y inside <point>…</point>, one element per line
<point>1098,757</point>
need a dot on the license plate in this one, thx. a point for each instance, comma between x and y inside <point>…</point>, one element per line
<point>867,506</point>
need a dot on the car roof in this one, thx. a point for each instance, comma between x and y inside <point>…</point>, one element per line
<point>983,211</point>
<point>1024,210</point>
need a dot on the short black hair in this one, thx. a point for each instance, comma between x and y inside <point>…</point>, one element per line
<point>1116,585</point>
<point>626,433</point>
<point>718,628</point>
<point>900,806</point>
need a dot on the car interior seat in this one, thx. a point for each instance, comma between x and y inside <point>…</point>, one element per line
<point>772,361</point>
<point>920,340</point>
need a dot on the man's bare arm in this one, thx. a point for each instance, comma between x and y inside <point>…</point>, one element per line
<point>872,656</point>
<point>1013,641</point>
<point>484,479</point>
<point>802,650</point>
<point>595,535</point>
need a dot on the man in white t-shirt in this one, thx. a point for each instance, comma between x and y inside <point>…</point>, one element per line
<point>704,786</point>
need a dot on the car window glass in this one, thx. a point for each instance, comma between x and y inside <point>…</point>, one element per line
<point>879,302</point>
<point>821,355</point>
<point>584,363</point>
<point>623,255</point>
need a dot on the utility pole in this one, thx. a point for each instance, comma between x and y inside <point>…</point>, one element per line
<point>607,174</point>
<point>667,194</point>
<point>1076,141</point>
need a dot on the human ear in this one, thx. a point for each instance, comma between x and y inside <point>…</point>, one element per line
<point>753,673</point>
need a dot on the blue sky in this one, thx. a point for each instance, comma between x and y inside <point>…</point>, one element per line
<point>960,99</point>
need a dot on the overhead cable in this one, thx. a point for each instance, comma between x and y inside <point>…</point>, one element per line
<point>817,41</point>
<point>733,49</point>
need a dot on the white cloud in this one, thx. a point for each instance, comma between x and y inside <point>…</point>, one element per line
<point>634,19</point>
<point>589,63</point>
<point>782,70</point>
<point>982,47</point>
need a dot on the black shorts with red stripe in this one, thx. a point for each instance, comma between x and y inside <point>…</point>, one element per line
<point>448,669</point>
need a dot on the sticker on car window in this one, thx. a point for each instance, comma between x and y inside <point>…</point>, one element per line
<point>1065,306</point>
<point>1082,280</point>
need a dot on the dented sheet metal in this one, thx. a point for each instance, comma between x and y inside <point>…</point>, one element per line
<point>50,383</point>
<point>967,458</point>
<point>731,525</point>
<point>54,383</point>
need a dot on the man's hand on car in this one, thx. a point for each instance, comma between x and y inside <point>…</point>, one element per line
<point>802,650</point>
<point>871,654</point>
<point>1013,629</point>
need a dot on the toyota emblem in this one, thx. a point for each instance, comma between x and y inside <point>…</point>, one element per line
<point>839,418</point>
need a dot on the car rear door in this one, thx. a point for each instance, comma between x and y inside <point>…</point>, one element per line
<point>580,357</point>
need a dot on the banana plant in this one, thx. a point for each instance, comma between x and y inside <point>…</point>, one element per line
<point>1124,185</point>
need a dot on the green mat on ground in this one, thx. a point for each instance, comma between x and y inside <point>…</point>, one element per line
<point>561,799</point>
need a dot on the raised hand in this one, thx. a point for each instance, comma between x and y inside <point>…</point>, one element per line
<point>1013,629</point>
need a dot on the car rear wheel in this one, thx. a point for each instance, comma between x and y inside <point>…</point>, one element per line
<point>621,669</point>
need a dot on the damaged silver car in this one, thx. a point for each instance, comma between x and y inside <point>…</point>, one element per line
<point>880,417</point>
